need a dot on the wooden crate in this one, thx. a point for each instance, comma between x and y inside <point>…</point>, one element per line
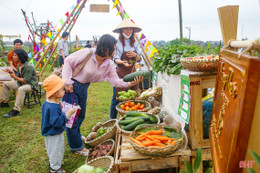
<point>198,82</point>
<point>206,155</point>
<point>128,160</point>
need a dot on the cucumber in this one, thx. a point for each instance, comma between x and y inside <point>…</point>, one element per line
<point>144,124</point>
<point>153,119</point>
<point>130,77</point>
<point>144,118</point>
<point>128,121</point>
<point>132,126</point>
<point>135,114</point>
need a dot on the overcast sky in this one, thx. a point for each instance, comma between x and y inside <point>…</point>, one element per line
<point>159,19</point>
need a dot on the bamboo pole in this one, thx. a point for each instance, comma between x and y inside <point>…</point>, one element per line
<point>147,61</point>
<point>52,41</point>
<point>55,59</point>
<point>46,63</point>
<point>76,17</point>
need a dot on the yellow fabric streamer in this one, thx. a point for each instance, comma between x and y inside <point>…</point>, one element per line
<point>43,40</point>
<point>116,2</point>
<point>49,34</point>
<point>148,44</point>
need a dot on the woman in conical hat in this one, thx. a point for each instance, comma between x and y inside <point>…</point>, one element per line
<point>127,54</point>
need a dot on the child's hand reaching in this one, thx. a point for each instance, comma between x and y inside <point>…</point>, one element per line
<point>70,112</point>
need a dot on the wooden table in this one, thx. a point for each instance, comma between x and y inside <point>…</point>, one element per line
<point>128,160</point>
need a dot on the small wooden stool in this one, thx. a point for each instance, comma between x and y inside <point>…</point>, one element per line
<point>40,89</point>
<point>35,96</point>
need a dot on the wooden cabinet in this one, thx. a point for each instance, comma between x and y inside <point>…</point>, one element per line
<point>236,105</point>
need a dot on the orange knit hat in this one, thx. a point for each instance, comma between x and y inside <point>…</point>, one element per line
<point>52,84</point>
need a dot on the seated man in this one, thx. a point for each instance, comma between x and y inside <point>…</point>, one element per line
<point>25,81</point>
<point>18,44</point>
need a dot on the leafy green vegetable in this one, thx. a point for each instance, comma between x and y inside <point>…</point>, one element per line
<point>101,131</point>
<point>168,59</point>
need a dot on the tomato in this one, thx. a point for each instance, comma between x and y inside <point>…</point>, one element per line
<point>142,106</point>
<point>138,104</point>
<point>126,104</point>
<point>122,106</point>
<point>134,108</point>
<point>127,108</point>
<point>132,104</point>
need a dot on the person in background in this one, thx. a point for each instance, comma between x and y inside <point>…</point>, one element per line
<point>18,44</point>
<point>99,68</point>
<point>127,54</point>
<point>54,121</point>
<point>88,44</point>
<point>26,80</point>
<point>63,48</point>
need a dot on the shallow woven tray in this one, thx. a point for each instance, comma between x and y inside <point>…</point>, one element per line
<point>108,141</point>
<point>200,65</point>
<point>146,109</point>
<point>129,132</point>
<point>157,95</point>
<point>102,162</point>
<point>155,151</point>
<point>108,135</point>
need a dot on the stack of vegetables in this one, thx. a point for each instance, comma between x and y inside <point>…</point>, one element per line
<point>123,95</point>
<point>153,138</point>
<point>133,105</point>
<point>156,140</point>
<point>97,131</point>
<point>134,120</point>
<point>91,169</point>
<point>103,149</point>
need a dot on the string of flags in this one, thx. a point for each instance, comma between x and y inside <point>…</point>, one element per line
<point>149,48</point>
<point>49,36</point>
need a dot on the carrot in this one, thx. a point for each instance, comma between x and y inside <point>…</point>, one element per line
<point>169,141</point>
<point>155,132</point>
<point>160,137</point>
<point>146,144</point>
<point>137,142</point>
<point>151,138</point>
<point>147,139</point>
<point>173,142</point>
<point>159,144</point>
<point>141,137</point>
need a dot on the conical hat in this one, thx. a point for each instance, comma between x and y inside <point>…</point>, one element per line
<point>127,23</point>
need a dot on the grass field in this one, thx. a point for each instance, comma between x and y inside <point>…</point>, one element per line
<point>22,147</point>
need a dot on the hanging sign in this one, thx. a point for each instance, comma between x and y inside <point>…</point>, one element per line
<point>184,105</point>
<point>103,8</point>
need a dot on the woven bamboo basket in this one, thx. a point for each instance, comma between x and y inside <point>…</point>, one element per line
<point>146,109</point>
<point>108,135</point>
<point>129,132</point>
<point>200,65</point>
<point>131,98</point>
<point>157,94</point>
<point>106,142</point>
<point>155,151</point>
<point>101,162</point>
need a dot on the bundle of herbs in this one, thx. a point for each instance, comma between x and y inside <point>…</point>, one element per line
<point>168,59</point>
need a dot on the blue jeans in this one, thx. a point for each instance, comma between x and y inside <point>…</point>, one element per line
<point>79,96</point>
<point>114,102</point>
